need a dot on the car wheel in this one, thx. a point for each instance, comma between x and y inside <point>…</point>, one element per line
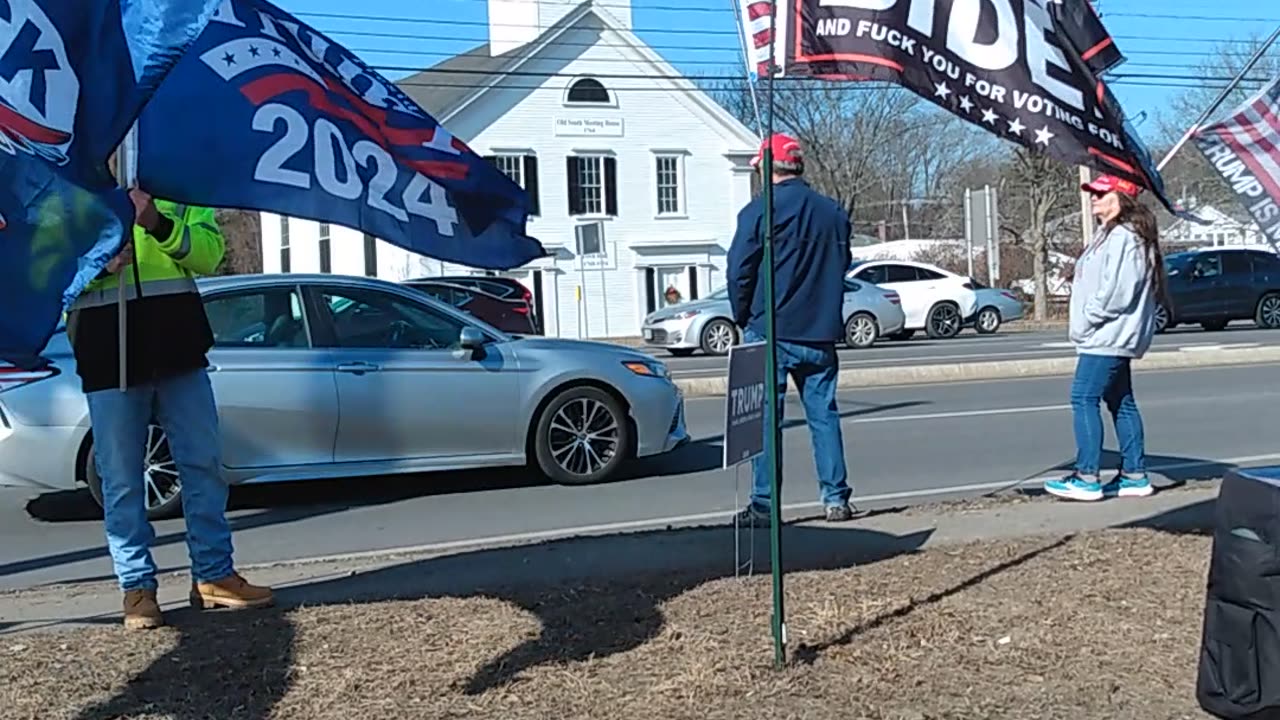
<point>583,437</point>
<point>988,321</point>
<point>718,336</point>
<point>1214,325</point>
<point>160,475</point>
<point>944,321</point>
<point>1268,314</point>
<point>861,331</point>
<point>1162,319</point>
<point>680,352</point>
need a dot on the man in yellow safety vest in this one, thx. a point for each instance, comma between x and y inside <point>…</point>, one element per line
<point>167,341</point>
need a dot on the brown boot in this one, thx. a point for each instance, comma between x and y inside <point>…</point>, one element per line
<point>141,611</point>
<point>230,592</point>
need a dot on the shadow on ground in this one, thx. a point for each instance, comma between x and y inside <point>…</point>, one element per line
<point>265,505</point>
<point>1167,471</point>
<point>235,666</point>
<point>594,597</point>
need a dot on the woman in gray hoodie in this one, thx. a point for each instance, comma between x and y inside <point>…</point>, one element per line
<point>1119,280</point>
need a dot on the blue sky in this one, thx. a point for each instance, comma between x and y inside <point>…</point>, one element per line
<point>699,36</point>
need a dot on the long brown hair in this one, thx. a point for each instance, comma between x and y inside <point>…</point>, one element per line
<point>1143,223</point>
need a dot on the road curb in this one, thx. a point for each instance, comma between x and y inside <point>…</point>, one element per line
<point>1005,369</point>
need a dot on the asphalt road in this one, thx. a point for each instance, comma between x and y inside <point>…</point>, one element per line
<point>970,347</point>
<point>904,445</point>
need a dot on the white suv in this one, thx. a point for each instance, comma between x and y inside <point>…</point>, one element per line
<point>933,300</point>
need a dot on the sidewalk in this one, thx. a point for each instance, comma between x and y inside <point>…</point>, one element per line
<point>999,608</point>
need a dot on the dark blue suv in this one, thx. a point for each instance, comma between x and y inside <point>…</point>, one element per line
<point>1213,287</point>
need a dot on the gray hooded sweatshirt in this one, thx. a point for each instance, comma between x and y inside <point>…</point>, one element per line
<point>1113,303</point>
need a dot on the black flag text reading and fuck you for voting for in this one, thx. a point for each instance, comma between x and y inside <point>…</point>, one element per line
<point>1026,70</point>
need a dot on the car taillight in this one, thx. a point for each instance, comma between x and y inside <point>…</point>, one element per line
<point>1009,295</point>
<point>893,297</point>
<point>522,309</point>
<point>967,286</point>
<point>12,377</point>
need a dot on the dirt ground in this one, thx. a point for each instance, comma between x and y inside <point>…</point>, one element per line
<point>1096,626</point>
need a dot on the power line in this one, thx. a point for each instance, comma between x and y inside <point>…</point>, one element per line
<point>704,31</point>
<point>1199,18</point>
<point>482,23</point>
<point>480,40</point>
<point>798,85</point>
<point>653,76</point>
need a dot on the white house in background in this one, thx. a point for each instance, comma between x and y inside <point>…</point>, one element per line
<point>1222,230</point>
<point>637,181</point>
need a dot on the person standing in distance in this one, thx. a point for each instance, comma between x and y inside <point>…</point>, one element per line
<point>1119,280</point>
<point>811,256</point>
<point>168,338</point>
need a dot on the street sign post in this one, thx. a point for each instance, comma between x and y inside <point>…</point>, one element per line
<point>982,229</point>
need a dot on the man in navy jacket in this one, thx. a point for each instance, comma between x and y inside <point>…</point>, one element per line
<point>811,256</point>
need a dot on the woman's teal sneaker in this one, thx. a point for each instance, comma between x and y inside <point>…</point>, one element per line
<point>1124,486</point>
<point>1074,487</point>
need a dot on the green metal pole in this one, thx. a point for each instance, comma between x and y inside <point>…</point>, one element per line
<point>771,444</point>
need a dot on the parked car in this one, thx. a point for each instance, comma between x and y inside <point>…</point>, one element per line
<point>1215,286</point>
<point>326,376</point>
<point>934,300</point>
<point>996,306</point>
<point>870,313</point>
<point>707,324</point>
<point>508,315</point>
<point>502,287</point>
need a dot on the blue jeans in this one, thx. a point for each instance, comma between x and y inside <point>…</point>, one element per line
<point>185,408</point>
<point>814,370</point>
<point>1105,378</point>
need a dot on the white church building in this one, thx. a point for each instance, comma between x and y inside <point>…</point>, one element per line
<point>637,181</point>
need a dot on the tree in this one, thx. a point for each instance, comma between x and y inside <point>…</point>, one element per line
<point>1188,176</point>
<point>1047,189</point>
<point>242,231</point>
<point>870,146</point>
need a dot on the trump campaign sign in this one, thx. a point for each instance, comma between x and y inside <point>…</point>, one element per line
<point>73,76</point>
<point>266,113</point>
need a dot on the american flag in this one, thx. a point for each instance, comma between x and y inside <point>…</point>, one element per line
<point>757,30</point>
<point>1244,149</point>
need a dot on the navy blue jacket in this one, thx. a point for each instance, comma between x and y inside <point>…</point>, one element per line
<point>811,256</point>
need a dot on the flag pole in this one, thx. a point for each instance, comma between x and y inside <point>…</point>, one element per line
<point>1226,92</point>
<point>127,164</point>
<point>773,432</point>
<point>746,56</point>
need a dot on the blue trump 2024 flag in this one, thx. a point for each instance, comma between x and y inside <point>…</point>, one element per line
<point>266,113</point>
<point>73,76</point>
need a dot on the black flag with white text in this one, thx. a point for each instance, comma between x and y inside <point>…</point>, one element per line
<point>1026,70</point>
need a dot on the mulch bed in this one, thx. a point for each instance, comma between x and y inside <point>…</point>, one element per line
<point>1097,626</point>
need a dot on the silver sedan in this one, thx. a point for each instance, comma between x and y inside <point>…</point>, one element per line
<point>870,313</point>
<point>323,376</point>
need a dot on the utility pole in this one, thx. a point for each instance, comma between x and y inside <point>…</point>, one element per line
<point>1086,201</point>
<point>1086,209</point>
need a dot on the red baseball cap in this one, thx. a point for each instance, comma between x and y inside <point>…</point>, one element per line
<point>786,149</point>
<point>1104,184</point>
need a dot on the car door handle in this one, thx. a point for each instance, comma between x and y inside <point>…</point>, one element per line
<point>358,368</point>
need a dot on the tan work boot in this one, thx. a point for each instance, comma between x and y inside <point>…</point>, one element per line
<point>230,592</point>
<point>141,611</point>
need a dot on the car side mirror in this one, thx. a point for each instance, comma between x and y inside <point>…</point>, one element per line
<point>471,339</point>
